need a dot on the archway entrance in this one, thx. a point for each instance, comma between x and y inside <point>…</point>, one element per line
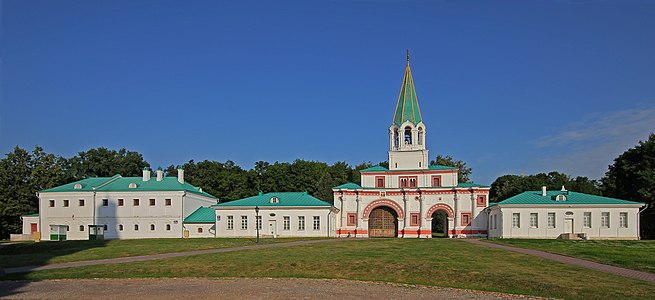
<point>440,224</point>
<point>383,222</point>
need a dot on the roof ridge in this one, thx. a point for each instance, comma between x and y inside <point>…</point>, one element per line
<point>112,179</point>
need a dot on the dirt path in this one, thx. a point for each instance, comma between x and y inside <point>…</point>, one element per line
<point>573,261</point>
<point>233,288</point>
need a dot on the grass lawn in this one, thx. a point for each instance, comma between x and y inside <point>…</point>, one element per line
<point>435,262</point>
<point>42,253</point>
<point>638,255</point>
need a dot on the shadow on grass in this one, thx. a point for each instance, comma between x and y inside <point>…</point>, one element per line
<point>18,259</point>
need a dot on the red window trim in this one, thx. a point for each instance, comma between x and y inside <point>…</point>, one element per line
<point>377,178</point>
<point>468,214</point>
<point>414,219</point>
<point>482,201</point>
<point>436,177</point>
<point>400,179</point>
<point>353,217</point>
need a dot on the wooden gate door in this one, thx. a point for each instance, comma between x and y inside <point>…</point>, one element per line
<point>382,222</point>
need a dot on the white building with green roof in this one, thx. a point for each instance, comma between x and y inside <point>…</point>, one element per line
<point>279,214</point>
<point>120,207</point>
<point>405,199</point>
<point>564,214</point>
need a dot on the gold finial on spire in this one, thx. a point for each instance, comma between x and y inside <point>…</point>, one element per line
<point>407,56</point>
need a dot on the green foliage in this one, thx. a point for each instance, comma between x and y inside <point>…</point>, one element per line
<point>632,177</point>
<point>464,171</point>
<point>511,185</point>
<point>22,174</point>
<point>102,162</point>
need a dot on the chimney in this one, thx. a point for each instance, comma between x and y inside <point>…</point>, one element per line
<point>146,174</point>
<point>160,174</point>
<point>180,175</point>
<point>543,191</point>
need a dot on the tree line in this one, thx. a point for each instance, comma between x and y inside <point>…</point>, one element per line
<point>23,173</point>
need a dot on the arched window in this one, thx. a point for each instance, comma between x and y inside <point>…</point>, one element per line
<point>152,226</point>
<point>168,226</point>
<point>81,227</point>
<point>408,136</point>
<point>120,227</point>
<point>199,229</point>
<point>395,137</point>
<point>136,227</point>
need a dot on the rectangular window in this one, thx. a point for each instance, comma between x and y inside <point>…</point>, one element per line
<point>81,202</point>
<point>379,181</point>
<point>586,220</point>
<point>287,223</point>
<point>52,203</point>
<point>413,219</point>
<point>482,201</point>
<point>136,202</point>
<point>495,221</point>
<point>352,219</point>
<point>516,220</point>
<point>623,220</point>
<point>466,219</point>
<point>301,222</point>
<point>121,202</point>
<point>551,220</point>
<point>105,202</point>
<point>230,222</point>
<point>403,182</point>
<point>317,223</point>
<point>408,181</point>
<point>152,202</point>
<point>605,219</point>
<point>534,220</point>
<point>436,180</point>
<point>244,222</point>
<point>258,222</point>
<point>168,202</point>
<point>66,203</point>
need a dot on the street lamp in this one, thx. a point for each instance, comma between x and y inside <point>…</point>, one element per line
<point>257,222</point>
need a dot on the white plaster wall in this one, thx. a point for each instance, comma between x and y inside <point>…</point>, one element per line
<point>543,231</point>
<point>27,224</point>
<point>144,215</point>
<point>408,160</point>
<point>392,181</point>
<point>326,214</point>
<point>208,230</point>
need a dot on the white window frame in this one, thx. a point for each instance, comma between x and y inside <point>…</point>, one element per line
<point>516,220</point>
<point>534,220</point>
<point>586,219</point>
<point>301,223</point>
<point>317,223</point>
<point>623,219</point>
<point>605,219</point>
<point>552,220</point>
<point>286,223</point>
<point>244,222</point>
<point>258,221</point>
<point>230,222</point>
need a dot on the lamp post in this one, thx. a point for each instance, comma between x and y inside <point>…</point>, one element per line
<point>257,222</point>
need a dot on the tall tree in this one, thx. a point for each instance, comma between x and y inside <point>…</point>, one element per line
<point>510,185</point>
<point>632,177</point>
<point>102,162</point>
<point>464,171</point>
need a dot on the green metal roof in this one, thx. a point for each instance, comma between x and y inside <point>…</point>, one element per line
<point>202,215</point>
<point>117,183</point>
<point>383,169</point>
<point>284,199</point>
<point>31,215</point>
<point>348,185</point>
<point>572,198</point>
<point>407,108</point>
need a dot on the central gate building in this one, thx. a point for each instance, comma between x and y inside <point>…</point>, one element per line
<point>407,198</point>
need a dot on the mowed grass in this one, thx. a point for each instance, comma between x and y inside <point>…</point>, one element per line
<point>42,253</point>
<point>433,262</point>
<point>638,255</point>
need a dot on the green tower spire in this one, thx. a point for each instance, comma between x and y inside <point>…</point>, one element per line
<point>407,108</point>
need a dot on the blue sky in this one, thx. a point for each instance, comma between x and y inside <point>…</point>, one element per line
<point>510,87</point>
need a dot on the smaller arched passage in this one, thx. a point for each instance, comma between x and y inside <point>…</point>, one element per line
<point>445,207</point>
<point>439,225</point>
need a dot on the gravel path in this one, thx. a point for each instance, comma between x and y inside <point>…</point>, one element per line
<point>572,261</point>
<point>231,288</point>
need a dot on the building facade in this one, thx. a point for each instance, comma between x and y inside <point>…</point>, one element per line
<point>281,214</point>
<point>120,207</point>
<point>404,199</point>
<point>564,214</point>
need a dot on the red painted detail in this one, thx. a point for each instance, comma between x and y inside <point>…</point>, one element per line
<point>352,232</point>
<point>467,231</point>
<point>407,181</point>
<point>482,201</point>
<point>465,219</point>
<point>33,228</point>
<point>383,202</point>
<point>411,172</point>
<point>369,193</point>
<point>408,232</point>
<point>445,207</point>
<point>414,219</point>
<point>352,219</point>
<point>379,182</point>
<point>436,181</point>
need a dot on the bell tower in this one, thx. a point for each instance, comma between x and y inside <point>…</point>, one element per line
<point>407,132</point>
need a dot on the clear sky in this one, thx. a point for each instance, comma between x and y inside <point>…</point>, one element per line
<point>510,87</point>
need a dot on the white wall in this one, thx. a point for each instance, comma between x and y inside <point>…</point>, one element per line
<point>27,224</point>
<point>576,213</point>
<point>166,219</point>
<point>208,230</point>
<point>274,224</point>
